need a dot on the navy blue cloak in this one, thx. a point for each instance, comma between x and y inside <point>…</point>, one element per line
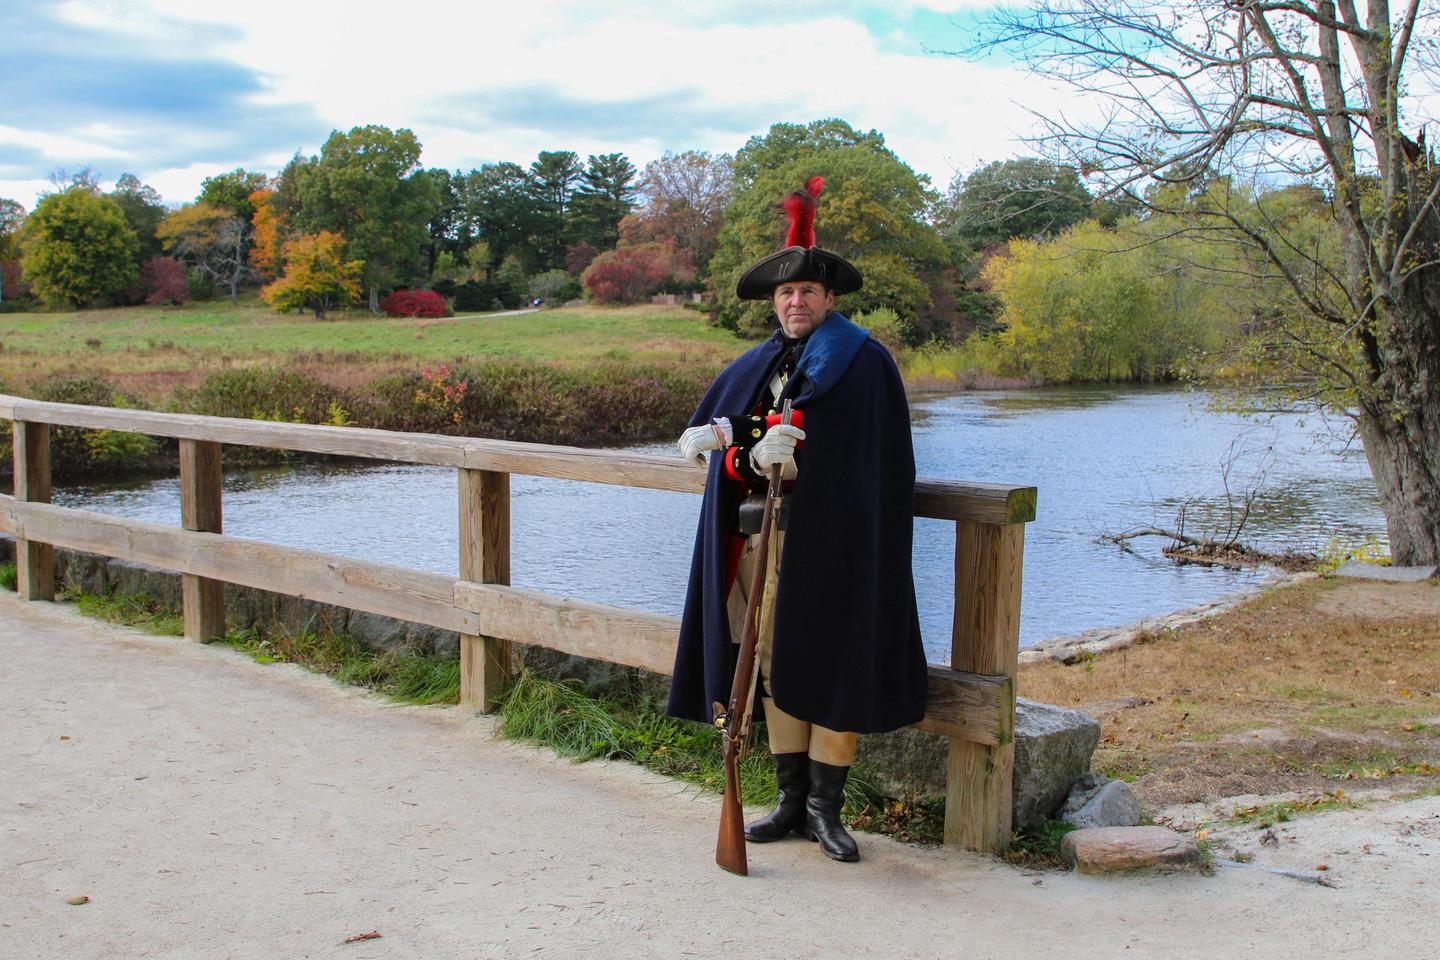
<point>847,652</point>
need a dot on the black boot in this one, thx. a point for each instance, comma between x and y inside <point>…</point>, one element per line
<point>792,776</point>
<point>822,812</point>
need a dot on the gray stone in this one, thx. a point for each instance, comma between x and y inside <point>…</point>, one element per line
<point>1124,849</point>
<point>82,572</point>
<point>1370,571</point>
<point>125,577</point>
<point>904,762</point>
<point>1052,750</point>
<point>1108,804</point>
<point>374,632</point>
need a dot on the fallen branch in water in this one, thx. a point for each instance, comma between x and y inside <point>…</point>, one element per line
<point>1216,553</point>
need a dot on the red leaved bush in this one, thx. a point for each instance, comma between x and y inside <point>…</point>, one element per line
<point>163,280</point>
<point>414,303</point>
<point>626,275</point>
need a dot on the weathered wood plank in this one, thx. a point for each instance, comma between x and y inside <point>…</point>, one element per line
<point>961,704</point>
<point>986,640</point>
<point>577,627</point>
<point>34,560</point>
<point>938,499</point>
<point>7,407</point>
<point>360,585</point>
<point>981,502</point>
<point>970,706</point>
<point>7,514</point>
<point>309,438</point>
<point>485,661</point>
<point>202,599</point>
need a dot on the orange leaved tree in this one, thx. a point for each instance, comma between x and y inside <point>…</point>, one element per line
<point>317,275</point>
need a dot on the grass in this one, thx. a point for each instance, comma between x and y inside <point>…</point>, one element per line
<point>1039,845</point>
<point>631,725</point>
<point>7,575</point>
<point>401,675</point>
<point>132,610</point>
<point>1322,681</point>
<point>149,350</point>
<point>404,676</point>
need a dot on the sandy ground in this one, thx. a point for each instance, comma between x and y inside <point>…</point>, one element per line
<point>213,807</point>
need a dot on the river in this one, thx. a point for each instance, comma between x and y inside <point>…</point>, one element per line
<point>1104,459</point>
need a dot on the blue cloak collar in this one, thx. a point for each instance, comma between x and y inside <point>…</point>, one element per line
<point>828,352</point>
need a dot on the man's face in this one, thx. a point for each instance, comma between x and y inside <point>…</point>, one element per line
<point>801,306</point>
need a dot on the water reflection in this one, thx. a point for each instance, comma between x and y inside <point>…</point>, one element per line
<point>1103,459</point>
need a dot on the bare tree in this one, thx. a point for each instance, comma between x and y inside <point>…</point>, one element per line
<point>683,197</point>
<point>1199,96</point>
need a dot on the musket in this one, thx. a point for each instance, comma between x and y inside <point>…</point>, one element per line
<point>733,719</point>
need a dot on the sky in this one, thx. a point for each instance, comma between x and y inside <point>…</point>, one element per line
<point>175,91</point>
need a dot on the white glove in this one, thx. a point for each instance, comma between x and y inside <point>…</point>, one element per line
<point>697,441</point>
<point>777,446</point>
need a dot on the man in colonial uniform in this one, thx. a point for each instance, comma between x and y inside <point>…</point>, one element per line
<point>842,654</point>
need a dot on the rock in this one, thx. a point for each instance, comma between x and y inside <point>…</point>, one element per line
<point>1119,849</point>
<point>1097,801</point>
<point>82,572</point>
<point>904,762</point>
<point>1052,750</point>
<point>125,577</point>
<point>1370,571</point>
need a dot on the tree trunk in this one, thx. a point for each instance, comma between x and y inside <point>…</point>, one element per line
<point>374,299</point>
<point>1404,457</point>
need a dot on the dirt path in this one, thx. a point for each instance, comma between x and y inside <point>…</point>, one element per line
<point>213,807</point>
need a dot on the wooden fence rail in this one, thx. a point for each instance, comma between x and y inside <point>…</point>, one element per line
<point>972,701</point>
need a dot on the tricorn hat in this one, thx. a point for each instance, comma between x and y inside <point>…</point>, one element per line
<point>799,259</point>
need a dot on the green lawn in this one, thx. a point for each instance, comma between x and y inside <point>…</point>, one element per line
<point>200,337</point>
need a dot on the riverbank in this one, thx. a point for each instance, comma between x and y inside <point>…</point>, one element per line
<point>1320,692</point>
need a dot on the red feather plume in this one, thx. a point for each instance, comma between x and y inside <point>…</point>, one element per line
<point>800,212</point>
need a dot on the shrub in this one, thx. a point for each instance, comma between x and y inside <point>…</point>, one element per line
<point>163,280</point>
<point>554,286</point>
<point>885,326</point>
<point>626,275</point>
<point>414,303</point>
<point>259,394</point>
<point>78,452</point>
<point>478,296</point>
<point>198,284</point>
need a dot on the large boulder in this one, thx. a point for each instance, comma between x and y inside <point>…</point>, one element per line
<point>1052,750</point>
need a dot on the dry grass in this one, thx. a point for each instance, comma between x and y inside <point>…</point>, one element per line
<point>1326,681</point>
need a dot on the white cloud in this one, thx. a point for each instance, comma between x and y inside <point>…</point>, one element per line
<point>66,148</point>
<point>714,85</point>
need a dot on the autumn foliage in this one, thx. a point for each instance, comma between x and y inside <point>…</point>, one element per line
<point>268,223</point>
<point>163,279</point>
<point>628,274</point>
<point>317,275</point>
<point>414,303</point>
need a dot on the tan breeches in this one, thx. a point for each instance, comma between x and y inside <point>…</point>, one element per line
<point>787,734</point>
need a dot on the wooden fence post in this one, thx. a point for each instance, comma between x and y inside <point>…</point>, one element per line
<point>484,558</point>
<point>985,640</point>
<point>34,562</point>
<point>202,599</point>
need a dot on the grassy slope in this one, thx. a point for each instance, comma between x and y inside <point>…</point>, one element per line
<point>1324,685</point>
<point>141,342</point>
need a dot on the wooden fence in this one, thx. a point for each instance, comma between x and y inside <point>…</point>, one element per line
<point>972,701</point>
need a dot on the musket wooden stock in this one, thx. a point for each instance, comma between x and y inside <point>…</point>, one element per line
<point>734,728</point>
